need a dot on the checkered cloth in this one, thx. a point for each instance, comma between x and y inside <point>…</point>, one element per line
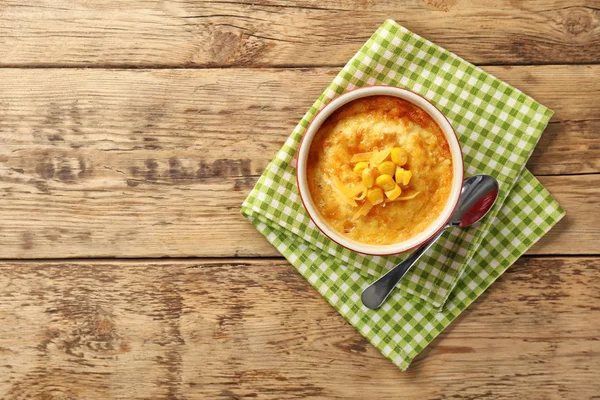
<point>498,127</point>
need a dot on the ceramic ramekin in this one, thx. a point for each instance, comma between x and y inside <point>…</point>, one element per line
<point>457,166</point>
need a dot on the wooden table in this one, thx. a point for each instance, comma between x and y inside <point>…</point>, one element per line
<point>132,131</point>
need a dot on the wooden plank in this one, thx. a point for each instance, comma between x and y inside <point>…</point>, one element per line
<point>575,152</point>
<point>157,163</point>
<point>142,33</point>
<point>181,217</point>
<point>579,230</point>
<point>571,143</point>
<point>229,329</point>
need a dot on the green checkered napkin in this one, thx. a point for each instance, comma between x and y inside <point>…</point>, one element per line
<point>498,127</point>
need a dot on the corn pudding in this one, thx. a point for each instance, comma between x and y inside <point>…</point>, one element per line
<point>379,170</point>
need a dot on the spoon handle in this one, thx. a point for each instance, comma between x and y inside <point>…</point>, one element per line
<point>374,296</point>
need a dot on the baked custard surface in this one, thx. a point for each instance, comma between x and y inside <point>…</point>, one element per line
<point>370,125</point>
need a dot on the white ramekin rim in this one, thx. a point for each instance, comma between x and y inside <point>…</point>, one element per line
<point>457,166</point>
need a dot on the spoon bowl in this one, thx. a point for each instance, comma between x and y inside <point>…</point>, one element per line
<point>478,195</point>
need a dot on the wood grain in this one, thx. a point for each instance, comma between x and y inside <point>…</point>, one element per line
<point>230,330</point>
<point>146,33</point>
<point>573,153</point>
<point>578,232</point>
<point>140,163</point>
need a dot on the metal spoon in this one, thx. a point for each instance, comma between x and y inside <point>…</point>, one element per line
<point>478,195</point>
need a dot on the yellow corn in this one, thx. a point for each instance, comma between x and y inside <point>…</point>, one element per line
<point>387,168</point>
<point>399,156</point>
<point>394,193</point>
<point>403,176</point>
<point>375,196</point>
<point>367,178</point>
<point>385,182</point>
<point>360,167</point>
<point>406,179</point>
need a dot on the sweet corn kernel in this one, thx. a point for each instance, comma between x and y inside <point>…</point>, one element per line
<point>403,176</point>
<point>385,182</point>
<point>387,168</point>
<point>367,178</point>
<point>406,178</point>
<point>375,196</point>
<point>394,193</point>
<point>360,167</point>
<point>399,156</point>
